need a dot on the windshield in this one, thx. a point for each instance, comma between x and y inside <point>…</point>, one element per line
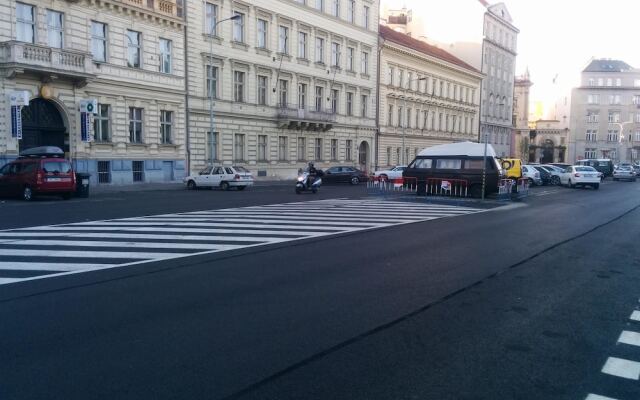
<point>56,167</point>
<point>241,169</point>
<point>585,169</point>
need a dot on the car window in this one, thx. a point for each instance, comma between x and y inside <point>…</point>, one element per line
<point>229,170</point>
<point>422,163</point>
<point>473,164</point>
<point>241,169</point>
<point>584,169</point>
<point>218,171</point>
<point>333,170</point>
<point>56,167</point>
<point>448,164</point>
<point>205,171</point>
<point>348,169</point>
<point>524,169</point>
<point>5,169</point>
<point>29,167</point>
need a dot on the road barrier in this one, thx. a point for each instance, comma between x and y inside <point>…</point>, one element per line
<point>447,187</point>
<point>391,187</point>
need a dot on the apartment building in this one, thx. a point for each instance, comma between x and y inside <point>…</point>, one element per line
<point>123,57</point>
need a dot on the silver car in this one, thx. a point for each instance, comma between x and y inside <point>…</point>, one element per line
<point>624,173</point>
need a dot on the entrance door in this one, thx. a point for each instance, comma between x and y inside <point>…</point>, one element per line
<point>363,156</point>
<point>167,169</point>
<point>42,125</point>
<point>547,152</point>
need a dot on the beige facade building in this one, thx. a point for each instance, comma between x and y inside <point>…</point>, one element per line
<point>291,82</point>
<point>549,142</point>
<point>427,97</point>
<point>128,55</point>
<point>605,114</point>
<point>521,126</point>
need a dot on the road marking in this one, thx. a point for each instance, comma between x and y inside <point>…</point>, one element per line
<point>598,397</point>
<point>622,368</point>
<point>630,338</point>
<point>115,243</point>
<point>635,316</point>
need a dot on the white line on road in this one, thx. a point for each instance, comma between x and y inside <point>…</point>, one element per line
<point>202,238</point>
<point>622,368</point>
<point>178,230</point>
<point>598,397</point>
<point>630,338</point>
<point>89,254</point>
<point>635,316</point>
<point>311,225</point>
<point>35,266</point>
<point>9,280</point>
<point>140,245</point>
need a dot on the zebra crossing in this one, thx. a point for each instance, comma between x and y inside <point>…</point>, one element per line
<point>45,251</point>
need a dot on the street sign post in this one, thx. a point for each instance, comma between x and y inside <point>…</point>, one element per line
<point>16,122</point>
<point>89,106</point>
<point>85,126</point>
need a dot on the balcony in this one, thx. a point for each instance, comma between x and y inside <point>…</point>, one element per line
<point>292,117</point>
<point>166,7</point>
<point>47,62</point>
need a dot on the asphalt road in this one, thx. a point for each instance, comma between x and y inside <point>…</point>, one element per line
<point>524,302</point>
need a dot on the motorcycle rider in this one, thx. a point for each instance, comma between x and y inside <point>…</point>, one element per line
<point>313,173</point>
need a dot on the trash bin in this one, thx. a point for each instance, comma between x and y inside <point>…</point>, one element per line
<point>82,184</point>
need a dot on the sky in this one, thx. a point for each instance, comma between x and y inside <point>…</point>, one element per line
<point>557,38</point>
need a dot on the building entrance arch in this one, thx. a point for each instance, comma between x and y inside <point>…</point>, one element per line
<point>43,125</point>
<point>363,156</point>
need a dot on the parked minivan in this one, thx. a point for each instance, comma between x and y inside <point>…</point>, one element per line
<point>40,170</point>
<point>603,165</point>
<point>463,161</point>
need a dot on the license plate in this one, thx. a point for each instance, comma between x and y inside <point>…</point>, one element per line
<point>54,179</point>
<point>85,181</point>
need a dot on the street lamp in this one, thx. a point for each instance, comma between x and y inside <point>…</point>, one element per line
<point>621,137</point>
<point>484,158</point>
<point>406,121</point>
<point>211,94</point>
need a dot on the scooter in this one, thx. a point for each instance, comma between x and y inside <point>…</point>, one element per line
<point>303,183</point>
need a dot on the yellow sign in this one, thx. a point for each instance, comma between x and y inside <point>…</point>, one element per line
<point>46,92</point>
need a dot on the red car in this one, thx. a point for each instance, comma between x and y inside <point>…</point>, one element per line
<point>41,170</point>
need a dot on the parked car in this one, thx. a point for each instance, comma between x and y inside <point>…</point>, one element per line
<point>555,173</point>
<point>579,175</point>
<point>562,166</point>
<point>624,173</point>
<point>457,161</point>
<point>603,165</point>
<point>532,175</point>
<point>388,174</point>
<point>545,175</point>
<point>344,174</point>
<point>636,169</point>
<point>224,177</point>
<point>40,170</point>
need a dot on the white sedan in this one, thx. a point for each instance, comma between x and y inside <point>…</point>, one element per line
<point>224,177</point>
<point>393,173</point>
<point>578,175</point>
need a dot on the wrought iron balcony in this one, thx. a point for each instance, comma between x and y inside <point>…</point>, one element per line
<point>292,117</point>
<point>19,57</point>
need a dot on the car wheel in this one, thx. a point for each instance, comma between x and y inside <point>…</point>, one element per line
<point>314,190</point>
<point>225,186</point>
<point>298,190</point>
<point>355,180</point>
<point>191,185</point>
<point>475,191</point>
<point>596,186</point>
<point>242,187</point>
<point>531,182</point>
<point>27,194</point>
<point>384,178</point>
<point>555,180</point>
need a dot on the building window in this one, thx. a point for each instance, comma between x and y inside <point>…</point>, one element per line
<point>135,125</point>
<point>212,147</point>
<point>609,82</point>
<point>612,136</point>
<point>302,45</point>
<point>390,76</point>
<point>398,153</point>
<point>348,145</point>
<point>593,99</point>
<point>400,116</point>
<point>238,27</point>
<point>133,49</point>
<point>365,17</point>
<point>212,82</point>
<point>363,105</point>
<point>592,82</point>
<point>320,5</point>
<point>99,41</point>
<point>591,136</point>
<point>614,99</point>
<point>350,54</point>
<point>211,18</point>
<point>104,171</point>
<point>390,116</point>
<point>334,149</point>
<point>102,124</point>
<point>318,149</point>
<point>349,103</point>
<point>351,11</point>
<point>138,171</point>
<point>283,40</point>
<point>284,92</point>
<point>25,23</point>
<point>334,100</point>
<point>262,147</point>
<point>589,153</point>
<point>389,159</point>
<point>262,33</point>
<point>302,146</point>
<point>614,116</point>
<point>302,96</point>
<point>282,148</point>
<point>592,116</point>
<point>319,50</point>
<point>262,90</point>
<point>407,123</point>
<point>335,54</point>
<point>319,98</point>
<point>365,63</point>
<point>618,82</point>
<point>400,78</point>
<point>636,99</point>
<point>238,86</point>
<point>165,56</point>
<point>335,8</point>
<point>166,127</point>
<point>238,147</point>
<point>55,30</point>
<point>637,136</point>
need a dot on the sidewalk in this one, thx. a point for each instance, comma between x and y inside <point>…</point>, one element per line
<point>163,186</point>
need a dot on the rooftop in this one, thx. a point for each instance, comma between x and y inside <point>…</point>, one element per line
<point>607,65</point>
<point>400,38</point>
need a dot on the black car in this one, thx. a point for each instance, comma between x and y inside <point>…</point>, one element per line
<point>344,175</point>
<point>545,175</point>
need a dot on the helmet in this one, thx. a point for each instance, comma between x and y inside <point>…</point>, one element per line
<point>311,164</point>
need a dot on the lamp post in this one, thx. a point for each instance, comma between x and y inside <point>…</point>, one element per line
<point>406,121</point>
<point>211,94</point>
<point>484,158</point>
<point>621,137</point>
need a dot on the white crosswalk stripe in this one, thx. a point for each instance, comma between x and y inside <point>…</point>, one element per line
<point>43,251</point>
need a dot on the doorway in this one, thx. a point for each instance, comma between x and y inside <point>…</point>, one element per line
<point>363,156</point>
<point>42,125</point>
<point>167,169</point>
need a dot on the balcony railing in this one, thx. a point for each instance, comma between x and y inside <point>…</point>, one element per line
<point>45,60</point>
<point>167,7</point>
<point>292,117</point>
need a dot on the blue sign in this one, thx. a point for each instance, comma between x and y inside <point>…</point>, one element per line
<point>16,122</point>
<point>85,127</point>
